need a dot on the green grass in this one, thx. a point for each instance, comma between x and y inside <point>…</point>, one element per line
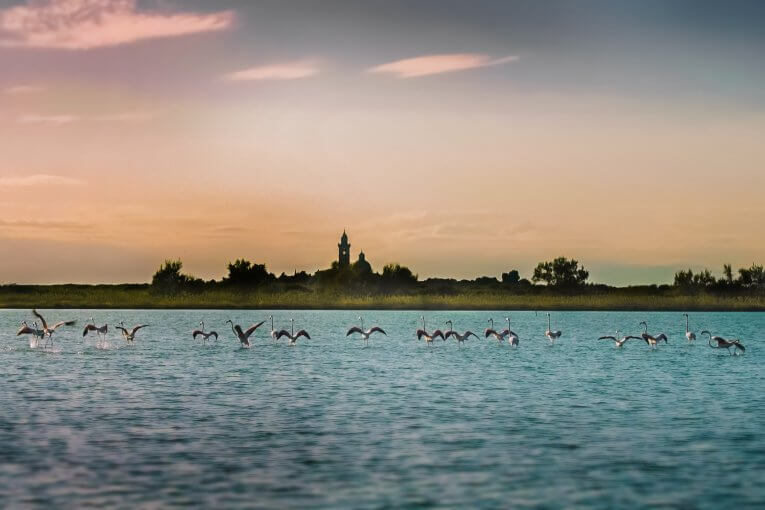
<point>141,297</point>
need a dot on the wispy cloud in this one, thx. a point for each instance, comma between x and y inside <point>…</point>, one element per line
<point>38,180</point>
<point>23,89</point>
<point>49,120</point>
<point>86,24</point>
<point>284,71</point>
<point>438,64</point>
<point>60,120</point>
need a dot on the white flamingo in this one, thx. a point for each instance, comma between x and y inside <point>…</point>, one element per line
<point>429,337</point>
<point>618,342</point>
<point>722,343</point>
<point>499,336</point>
<point>652,340</point>
<point>129,334</point>
<point>52,329</point>
<point>365,334</point>
<point>37,334</point>
<point>244,336</point>
<point>100,331</point>
<point>291,335</point>
<point>204,334</point>
<point>550,334</point>
<point>460,338</point>
<point>690,335</point>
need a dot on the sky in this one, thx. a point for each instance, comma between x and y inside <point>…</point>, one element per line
<point>461,139</point>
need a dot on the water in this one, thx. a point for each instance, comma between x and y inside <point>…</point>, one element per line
<point>329,423</point>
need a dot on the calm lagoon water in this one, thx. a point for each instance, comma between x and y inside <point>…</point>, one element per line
<point>332,424</point>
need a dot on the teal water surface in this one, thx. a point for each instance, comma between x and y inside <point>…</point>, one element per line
<point>330,423</point>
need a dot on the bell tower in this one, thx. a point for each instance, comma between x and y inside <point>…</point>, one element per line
<point>344,251</point>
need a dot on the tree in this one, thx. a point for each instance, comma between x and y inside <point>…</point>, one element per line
<point>704,279</point>
<point>684,278</point>
<point>561,272</point>
<point>169,279</point>
<point>511,278</point>
<point>245,273</point>
<point>398,276</point>
<point>751,277</point>
<point>728,272</point>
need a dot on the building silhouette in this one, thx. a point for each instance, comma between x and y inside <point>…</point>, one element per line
<point>344,252</point>
<point>344,256</point>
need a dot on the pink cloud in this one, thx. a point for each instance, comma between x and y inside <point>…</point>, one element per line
<point>85,24</point>
<point>437,64</point>
<point>50,120</point>
<point>285,71</point>
<point>23,89</point>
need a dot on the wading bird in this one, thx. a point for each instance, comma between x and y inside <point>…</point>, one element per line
<point>201,332</point>
<point>244,336</point>
<point>365,334</point>
<point>722,343</point>
<point>273,331</point>
<point>460,338</point>
<point>129,335</point>
<point>651,340</point>
<point>50,330</point>
<point>429,337</point>
<point>103,330</point>
<point>550,334</point>
<point>26,329</point>
<point>690,335</point>
<point>618,342</point>
<point>291,334</point>
<point>499,336</point>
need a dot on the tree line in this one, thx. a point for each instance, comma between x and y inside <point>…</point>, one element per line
<point>560,275</point>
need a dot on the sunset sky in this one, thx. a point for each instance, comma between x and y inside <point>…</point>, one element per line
<point>461,138</point>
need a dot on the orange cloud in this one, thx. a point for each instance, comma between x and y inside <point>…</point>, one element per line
<point>50,120</point>
<point>37,180</point>
<point>438,64</point>
<point>285,71</point>
<point>86,24</point>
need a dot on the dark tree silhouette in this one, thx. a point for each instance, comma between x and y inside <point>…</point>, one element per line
<point>561,272</point>
<point>169,280</point>
<point>245,273</point>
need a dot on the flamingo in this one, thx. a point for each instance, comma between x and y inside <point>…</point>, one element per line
<point>618,342</point>
<point>26,329</point>
<point>429,337</point>
<point>99,330</point>
<point>651,340</point>
<point>291,335</point>
<point>273,331</point>
<point>50,330</point>
<point>129,335</point>
<point>460,338</point>
<point>550,334</point>
<point>244,336</point>
<point>365,334</point>
<point>690,335</point>
<point>722,343</point>
<point>203,334</point>
<point>499,336</point>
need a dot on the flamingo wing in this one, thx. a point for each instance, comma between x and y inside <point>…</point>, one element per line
<point>451,333</point>
<point>26,330</point>
<point>42,319</point>
<point>213,333</point>
<point>63,323</point>
<point>141,326</point>
<point>661,337</point>
<point>252,328</point>
<point>608,337</point>
<point>468,333</point>
<point>354,329</point>
<point>489,332</point>
<point>282,333</point>
<point>124,331</point>
<point>438,333</point>
<point>421,333</point>
<point>378,330</point>
<point>196,333</point>
<point>304,333</point>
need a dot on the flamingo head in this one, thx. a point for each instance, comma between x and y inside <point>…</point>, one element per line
<point>230,322</point>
